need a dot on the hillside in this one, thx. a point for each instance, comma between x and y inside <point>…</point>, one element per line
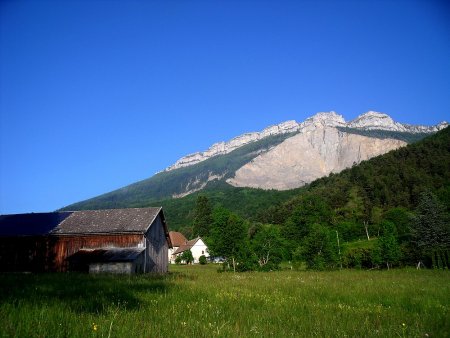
<point>395,179</point>
<point>182,181</point>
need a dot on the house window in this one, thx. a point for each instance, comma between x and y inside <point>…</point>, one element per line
<point>203,252</point>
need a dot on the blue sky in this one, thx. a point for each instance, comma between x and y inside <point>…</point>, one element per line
<point>95,95</point>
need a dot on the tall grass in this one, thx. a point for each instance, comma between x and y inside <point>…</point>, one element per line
<point>197,301</point>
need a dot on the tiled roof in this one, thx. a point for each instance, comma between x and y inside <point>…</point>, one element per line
<point>177,238</point>
<point>187,246</point>
<point>108,221</point>
<point>133,220</point>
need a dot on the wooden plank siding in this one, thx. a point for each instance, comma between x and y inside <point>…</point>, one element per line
<point>156,248</point>
<point>66,246</point>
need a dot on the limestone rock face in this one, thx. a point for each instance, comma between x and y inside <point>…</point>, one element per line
<point>309,155</point>
<point>367,121</point>
<point>374,120</point>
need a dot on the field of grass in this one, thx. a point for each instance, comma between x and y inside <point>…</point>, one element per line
<point>197,301</point>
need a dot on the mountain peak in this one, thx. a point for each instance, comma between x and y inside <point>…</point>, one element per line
<point>376,120</point>
<point>325,119</point>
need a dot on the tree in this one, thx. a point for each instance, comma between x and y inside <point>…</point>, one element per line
<point>187,257</point>
<point>431,230</point>
<point>388,248</point>
<point>310,210</point>
<point>357,209</point>
<point>319,248</point>
<point>402,218</point>
<point>228,237</point>
<point>267,246</point>
<point>202,217</point>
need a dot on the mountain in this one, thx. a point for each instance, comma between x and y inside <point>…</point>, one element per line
<point>284,156</point>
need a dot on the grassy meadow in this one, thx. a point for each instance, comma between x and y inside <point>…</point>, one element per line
<point>197,301</point>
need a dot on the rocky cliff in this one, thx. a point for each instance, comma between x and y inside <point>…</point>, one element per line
<point>367,121</point>
<point>309,155</point>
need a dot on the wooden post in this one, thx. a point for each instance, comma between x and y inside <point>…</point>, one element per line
<point>339,249</point>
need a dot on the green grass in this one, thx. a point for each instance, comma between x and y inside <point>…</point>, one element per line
<point>197,301</point>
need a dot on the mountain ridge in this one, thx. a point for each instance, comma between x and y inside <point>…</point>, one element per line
<point>370,120</point>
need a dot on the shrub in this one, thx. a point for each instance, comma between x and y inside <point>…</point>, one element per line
<point>358,258</point>
<point>202,260</point>
<point>187,257</point>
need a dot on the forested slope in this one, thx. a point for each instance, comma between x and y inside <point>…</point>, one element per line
<point>395,179</point>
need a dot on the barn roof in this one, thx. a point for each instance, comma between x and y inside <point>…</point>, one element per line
<point>177,238</point>
<point>133,220</point>
<point>34,224</point>
<point>130,220</point>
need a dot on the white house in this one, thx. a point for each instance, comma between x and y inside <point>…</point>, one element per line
<point>197,247</point>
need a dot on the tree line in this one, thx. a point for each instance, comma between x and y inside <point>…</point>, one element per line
<point>311,238</point>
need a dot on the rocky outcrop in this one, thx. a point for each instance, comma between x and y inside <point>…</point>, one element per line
<point>309,155</point>
<point>367,121</point>
<point>239,141</point>
<point>197,184</point>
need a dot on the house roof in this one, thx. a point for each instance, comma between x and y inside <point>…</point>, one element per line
<point>133,220</point>
<point>177,238</point>
<point>187,246</point>
<point>106,255</point>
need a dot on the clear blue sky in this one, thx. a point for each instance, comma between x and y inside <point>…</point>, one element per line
<point>95,95</point>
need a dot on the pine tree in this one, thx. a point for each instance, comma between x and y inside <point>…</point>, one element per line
<point>431,230</point>
<point>202,217</point>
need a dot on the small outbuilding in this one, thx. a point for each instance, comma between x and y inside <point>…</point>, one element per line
<point>116,241</point>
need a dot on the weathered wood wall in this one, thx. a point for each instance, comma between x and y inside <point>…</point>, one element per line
<point>66,246</point>
<point>156,259</point>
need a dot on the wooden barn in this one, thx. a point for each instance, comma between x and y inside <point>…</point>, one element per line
<point>116,241</point>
